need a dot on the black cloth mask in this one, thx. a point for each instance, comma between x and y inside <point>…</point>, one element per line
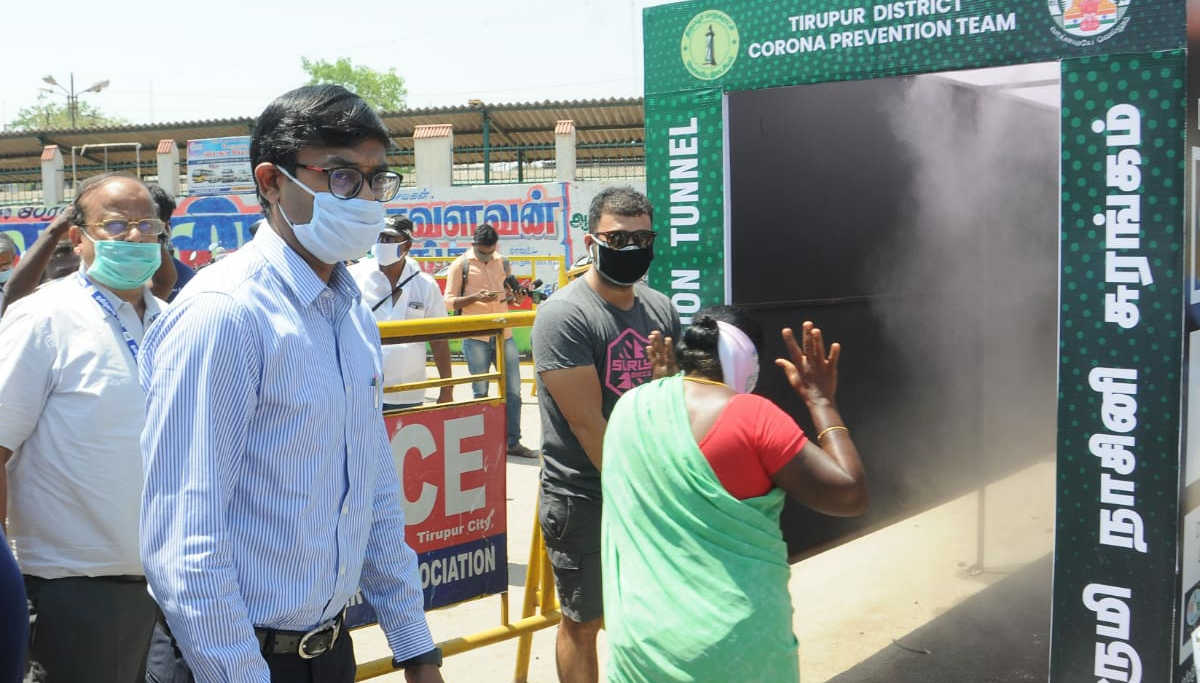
<point>622,267</point>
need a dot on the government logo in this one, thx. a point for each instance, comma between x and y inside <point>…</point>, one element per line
<point>1088,18</point>
<point>710,45</point>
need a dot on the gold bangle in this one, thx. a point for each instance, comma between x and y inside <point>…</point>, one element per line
<point>830,429</point>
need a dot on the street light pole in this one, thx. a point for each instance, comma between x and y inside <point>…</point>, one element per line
<point>72,96</point>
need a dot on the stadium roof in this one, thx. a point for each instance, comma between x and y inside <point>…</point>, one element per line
<point>606,127</point>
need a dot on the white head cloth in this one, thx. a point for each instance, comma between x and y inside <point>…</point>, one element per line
<point>739,359</point>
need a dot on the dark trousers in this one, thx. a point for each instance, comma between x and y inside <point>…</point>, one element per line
<point>167,665</point>
<point>94,629</point>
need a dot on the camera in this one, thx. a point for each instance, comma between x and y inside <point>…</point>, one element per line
<point>533,290</point>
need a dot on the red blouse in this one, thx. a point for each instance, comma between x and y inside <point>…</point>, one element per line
<point>750,441</point>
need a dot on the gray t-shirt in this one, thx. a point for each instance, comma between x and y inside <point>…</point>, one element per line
<point>577,327</point>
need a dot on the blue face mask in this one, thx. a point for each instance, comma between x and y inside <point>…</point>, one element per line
<point>121,265</point>
<point>4,275</point>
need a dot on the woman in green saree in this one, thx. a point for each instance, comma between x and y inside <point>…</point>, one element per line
<point>695,472</point>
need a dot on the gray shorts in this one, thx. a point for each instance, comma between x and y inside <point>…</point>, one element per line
<point>571,529</point>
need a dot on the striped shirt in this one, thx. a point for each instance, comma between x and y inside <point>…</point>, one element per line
<point>270,489</point>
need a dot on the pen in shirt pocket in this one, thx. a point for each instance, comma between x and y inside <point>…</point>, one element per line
<point>377,387</point>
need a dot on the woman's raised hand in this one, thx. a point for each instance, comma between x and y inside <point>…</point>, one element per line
<point>661,353</point>
<point>811,371</point>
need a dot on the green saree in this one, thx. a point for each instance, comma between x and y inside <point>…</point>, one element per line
<point>695,580</point>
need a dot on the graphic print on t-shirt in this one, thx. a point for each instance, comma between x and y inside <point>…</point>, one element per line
<point>626,364</point>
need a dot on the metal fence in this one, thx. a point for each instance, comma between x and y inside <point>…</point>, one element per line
<point>615,161</point>
<point>536,164</point>
<point>25,192</point>
<point>19,193</point>
<point>525,164</point>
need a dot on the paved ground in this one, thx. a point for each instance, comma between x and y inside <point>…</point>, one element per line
<point>902,604</point>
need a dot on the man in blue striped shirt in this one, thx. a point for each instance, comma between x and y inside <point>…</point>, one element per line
<point>270,492</point>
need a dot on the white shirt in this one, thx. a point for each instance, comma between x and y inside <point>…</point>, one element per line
<point>420,298</point>
<point>72,410</point>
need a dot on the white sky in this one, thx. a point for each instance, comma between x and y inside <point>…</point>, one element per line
<point>178,61</point>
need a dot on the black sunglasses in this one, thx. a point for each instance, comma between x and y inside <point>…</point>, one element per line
<point>619,239</point>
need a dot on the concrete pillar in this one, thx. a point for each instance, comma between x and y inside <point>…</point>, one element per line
<point>53,176</point>
<point>564,150</point>
<point>433,154</point>
<point>168,166</point>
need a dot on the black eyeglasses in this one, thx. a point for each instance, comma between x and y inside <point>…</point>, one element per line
<point>346,181</point>
<point>619,239</point>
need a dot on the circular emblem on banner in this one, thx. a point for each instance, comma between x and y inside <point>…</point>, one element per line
<point>710,45</point>
<point>1088,18</point>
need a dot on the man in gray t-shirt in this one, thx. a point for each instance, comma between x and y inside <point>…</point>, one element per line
<point>589,348</point>
<point>578,327</point>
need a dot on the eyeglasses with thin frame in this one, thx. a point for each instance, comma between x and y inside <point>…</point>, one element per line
<point>346,181</point>
<point>619,239</point>
<point>116,228</point>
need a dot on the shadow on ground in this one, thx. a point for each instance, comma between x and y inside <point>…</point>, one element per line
<point>1001,635</point>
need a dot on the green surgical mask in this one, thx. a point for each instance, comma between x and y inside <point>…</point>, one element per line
<point>122,265</point>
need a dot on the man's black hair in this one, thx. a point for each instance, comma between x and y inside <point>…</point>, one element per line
<point>618,201</point>
<point>7,245</point>
<point>311,116</point>
<point>401,223</point>
<point>85,188</point>
<point>485,235</point>
<point>164,201</point>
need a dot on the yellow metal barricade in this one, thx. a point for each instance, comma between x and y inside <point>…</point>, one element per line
<point>560,277</point>
<point>540,606</point>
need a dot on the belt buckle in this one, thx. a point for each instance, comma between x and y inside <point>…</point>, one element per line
<point>319,647</point>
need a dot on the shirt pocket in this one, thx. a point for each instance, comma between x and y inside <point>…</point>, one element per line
<point>366,383</point>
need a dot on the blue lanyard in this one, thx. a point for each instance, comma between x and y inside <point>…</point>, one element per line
<point>106,306</point>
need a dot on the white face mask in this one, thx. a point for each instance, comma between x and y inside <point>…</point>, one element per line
<point>387,253</point>
<point>340,229</point>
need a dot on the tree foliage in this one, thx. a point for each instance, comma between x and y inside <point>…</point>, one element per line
<point>50,111</point>
<point>383,90</point>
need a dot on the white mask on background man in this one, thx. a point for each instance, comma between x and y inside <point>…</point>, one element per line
<point>387,253</point>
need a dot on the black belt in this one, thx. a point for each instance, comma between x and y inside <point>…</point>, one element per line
<point>304,644</point>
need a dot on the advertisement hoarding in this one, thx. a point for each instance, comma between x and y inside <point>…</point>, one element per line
<point>451,462</point>
<point>219,166</point>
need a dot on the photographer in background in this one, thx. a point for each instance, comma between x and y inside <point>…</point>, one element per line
<point>481,270</point>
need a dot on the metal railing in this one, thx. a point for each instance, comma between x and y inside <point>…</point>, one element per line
<point>536,163</point>
<point>602,161</point>
<point>540,608</point>
<point>507,165</point>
